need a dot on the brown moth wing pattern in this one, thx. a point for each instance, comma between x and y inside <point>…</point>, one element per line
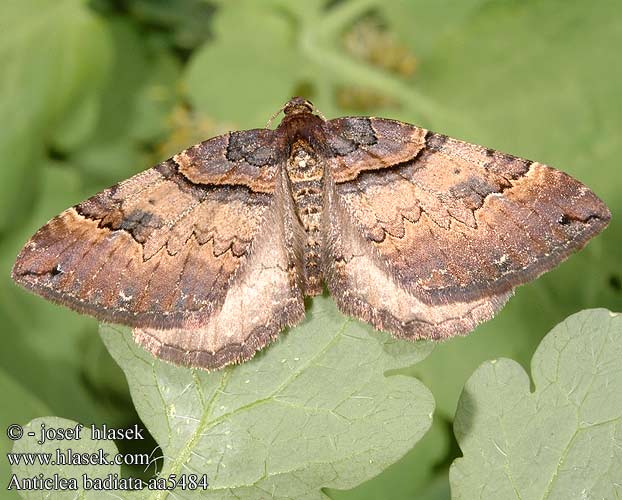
<point>362,144</point>
<point>160,251</point>
<point>248,158</point>
<point>432,244</point>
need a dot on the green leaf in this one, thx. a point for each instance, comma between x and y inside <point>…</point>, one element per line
<point>314,410</point>
<point>423,25</point>
<point>186,22</point>
<point>563,440</point>
<point>418,465</point>
<point>156,99</point>
<point>29,444</point>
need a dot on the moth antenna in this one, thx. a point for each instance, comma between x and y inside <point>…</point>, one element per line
<point>319,113</point>
<point>277,113</point>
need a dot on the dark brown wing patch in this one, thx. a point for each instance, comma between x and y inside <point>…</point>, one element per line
<point>250,158</point>
<point>360,144</point>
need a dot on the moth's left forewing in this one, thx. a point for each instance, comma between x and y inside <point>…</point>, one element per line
<point>158,249</point>
<point>444,231</point>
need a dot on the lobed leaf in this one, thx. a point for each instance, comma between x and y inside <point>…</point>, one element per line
<point>561,441</point>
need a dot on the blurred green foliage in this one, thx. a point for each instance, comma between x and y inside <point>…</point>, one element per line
<point>92,92</point>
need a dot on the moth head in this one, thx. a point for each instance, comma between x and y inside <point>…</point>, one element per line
<point>298,105</point>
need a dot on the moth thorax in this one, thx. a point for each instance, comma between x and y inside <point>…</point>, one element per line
<point>303,164</point>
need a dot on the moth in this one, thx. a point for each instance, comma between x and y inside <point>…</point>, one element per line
<point>210,254</point>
